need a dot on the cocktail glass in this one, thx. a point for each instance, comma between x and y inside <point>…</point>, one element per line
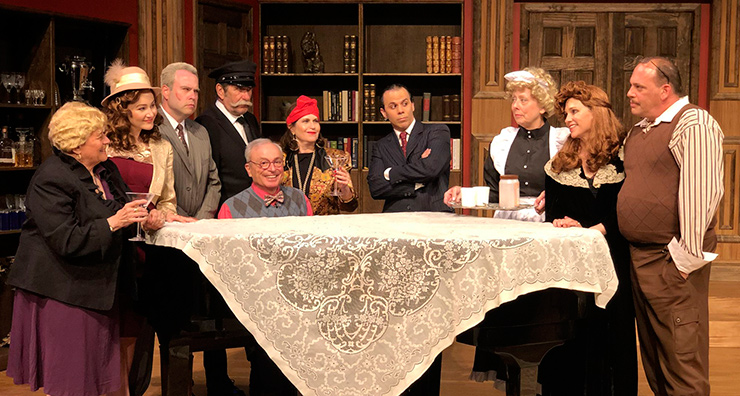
<point>134,196</point>
<point>335,163</point>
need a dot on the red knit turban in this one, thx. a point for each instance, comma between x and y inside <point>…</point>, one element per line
<point>304,106</point>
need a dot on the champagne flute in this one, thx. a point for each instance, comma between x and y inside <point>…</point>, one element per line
<point>134,196</point>
<point>20,82</point>
<point>335,163</point>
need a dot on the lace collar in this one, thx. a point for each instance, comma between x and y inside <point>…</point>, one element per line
<point>607,174</point>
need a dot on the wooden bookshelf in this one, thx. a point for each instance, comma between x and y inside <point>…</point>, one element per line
<point>391,48</point>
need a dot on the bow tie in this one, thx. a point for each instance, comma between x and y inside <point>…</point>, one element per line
<point>277,199</point>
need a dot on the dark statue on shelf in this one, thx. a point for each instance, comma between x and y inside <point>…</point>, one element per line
<point>312,62</point>
<point>77,69</point>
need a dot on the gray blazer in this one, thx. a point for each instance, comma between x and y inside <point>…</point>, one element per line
<point>197,185</point>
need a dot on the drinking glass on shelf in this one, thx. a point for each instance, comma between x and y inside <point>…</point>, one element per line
<point>335,163</point>
<point>29,97</point>
<point>134,196</point>
<point>20,82</point>
<point>8,81</point>
<point>42,95</point>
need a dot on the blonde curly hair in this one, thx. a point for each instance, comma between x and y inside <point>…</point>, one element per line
<point>543,89</point>
<point>72,125</point>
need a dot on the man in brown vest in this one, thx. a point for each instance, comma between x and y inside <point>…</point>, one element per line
<point>666,209</point>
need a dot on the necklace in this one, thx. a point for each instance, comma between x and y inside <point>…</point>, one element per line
<point>303,183</point>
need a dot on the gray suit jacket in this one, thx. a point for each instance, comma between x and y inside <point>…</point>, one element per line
<point>197,185</point>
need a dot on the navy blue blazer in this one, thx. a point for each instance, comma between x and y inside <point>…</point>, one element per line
<point>227,149</point>
<point>433,171</point>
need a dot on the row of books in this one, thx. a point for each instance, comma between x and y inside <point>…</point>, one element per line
<point>347,144</point>
<point>350,53</point>
<point>450,108</point>
<point>341,106</point>
<point>276,52</point>
<point>444,54</point>
<point>368,146</point>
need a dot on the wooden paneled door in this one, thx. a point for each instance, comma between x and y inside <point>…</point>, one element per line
<point>225,34</point>
<point>598,43</point>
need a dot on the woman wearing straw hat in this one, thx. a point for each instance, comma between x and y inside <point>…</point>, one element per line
<point>307,167</point>
<point>136,146</point>
<point>144,159</point>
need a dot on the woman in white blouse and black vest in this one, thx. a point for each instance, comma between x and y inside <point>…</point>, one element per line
<point>523,150</point>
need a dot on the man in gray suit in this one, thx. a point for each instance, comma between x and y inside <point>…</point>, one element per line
<point>197,186</point>
<point>198,190</point>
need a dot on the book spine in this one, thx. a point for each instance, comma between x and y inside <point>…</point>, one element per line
<point>345,106</point>
<point>271,65</point>
<point>455,154</point>
<point>286,54</point>
<point>346,54</point>
<point>435,54</point>
<point>446,111</point>
<point>366,102</point>
<point>373,108</point>
<point>266,54</point>
<point>365,151</point>
<point>455,107</point>
<point>426,104</point>
<point>442,53</point>
<point>355,147</point>
<point>456,54</point>
<point>279,54</point>
<point>448,55</point>
<point>353,53</point>
<point>430,64</point>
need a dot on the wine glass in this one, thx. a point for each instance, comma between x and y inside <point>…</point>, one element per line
<point>8,80</point>
<point>335,163</point>
<point>134,196</point>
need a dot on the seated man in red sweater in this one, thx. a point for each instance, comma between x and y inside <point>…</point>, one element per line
<point>265,197</point>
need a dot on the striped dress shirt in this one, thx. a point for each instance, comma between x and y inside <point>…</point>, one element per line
<point>696,144</point>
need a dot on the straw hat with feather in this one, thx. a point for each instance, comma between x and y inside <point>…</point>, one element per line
<point>121,78</point>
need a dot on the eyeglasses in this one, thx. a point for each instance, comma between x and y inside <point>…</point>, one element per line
<point>265,164</point>
<point>668,80</point>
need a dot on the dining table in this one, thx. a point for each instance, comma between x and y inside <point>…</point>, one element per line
<point>361,304</point>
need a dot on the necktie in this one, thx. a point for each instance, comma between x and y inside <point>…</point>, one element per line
<point>181,135</point>
<point>277,199</point>
<point>241,120</point>
<point>403,141</point>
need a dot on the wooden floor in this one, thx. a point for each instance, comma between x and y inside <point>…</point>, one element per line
<point>724,313</point>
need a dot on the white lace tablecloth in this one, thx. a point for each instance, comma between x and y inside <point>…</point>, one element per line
<point>362,304</point>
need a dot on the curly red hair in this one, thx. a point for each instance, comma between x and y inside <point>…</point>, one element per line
<point>118,126</point>
<point>605,138</point>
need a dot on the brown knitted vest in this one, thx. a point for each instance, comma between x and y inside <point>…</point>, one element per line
<point>647,206</point>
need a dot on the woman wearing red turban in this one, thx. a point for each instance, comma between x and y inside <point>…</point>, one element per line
<point>307,167</point>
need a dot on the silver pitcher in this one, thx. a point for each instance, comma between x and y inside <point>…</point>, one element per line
<point>77,68</point>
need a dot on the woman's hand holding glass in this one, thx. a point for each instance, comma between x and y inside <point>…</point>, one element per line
<point>343,183</point>
<point>130,213</point>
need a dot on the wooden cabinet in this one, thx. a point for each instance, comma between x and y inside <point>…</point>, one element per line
<point>391,48</point>
<point>34,45</point>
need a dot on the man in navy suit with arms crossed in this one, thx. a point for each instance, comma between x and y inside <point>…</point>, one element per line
<point>409,167</point>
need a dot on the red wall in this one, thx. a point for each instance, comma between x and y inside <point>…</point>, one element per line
<point>126,11</point>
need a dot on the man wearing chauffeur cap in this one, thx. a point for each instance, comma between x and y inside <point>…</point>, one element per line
<point>230,128</point>
<point>230,125</point>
